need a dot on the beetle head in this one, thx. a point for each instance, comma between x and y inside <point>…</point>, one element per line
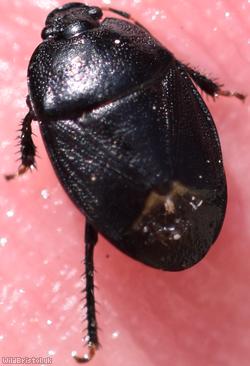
<point>70,20</point>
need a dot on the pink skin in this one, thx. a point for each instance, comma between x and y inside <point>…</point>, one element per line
<point>147,317</point>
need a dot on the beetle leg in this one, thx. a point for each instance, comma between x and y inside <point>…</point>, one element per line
<point>28,149</point>
<point>209,86</point>
<point>125,15</point>
<point>91,236</point>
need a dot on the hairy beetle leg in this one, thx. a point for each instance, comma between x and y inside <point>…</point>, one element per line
<point>209,86</point>
<point>27,147</point>
<point>91,237</point>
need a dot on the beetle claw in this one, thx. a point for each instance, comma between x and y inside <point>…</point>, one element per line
<point>87,356</point>
<point>21,170</point>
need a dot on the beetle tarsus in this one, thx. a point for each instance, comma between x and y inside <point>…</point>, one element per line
<point>228,93</point>
<point>21,170</point>
<point>88,356</point>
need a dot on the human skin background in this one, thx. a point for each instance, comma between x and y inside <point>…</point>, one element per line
<point>200,316</point>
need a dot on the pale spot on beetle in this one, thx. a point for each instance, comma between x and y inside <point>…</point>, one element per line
<point>168,233</point>
<point>167,201</point>
<point>169,205</point>
<point>153,200</point>
<point>195,205</point>
<point>176,236</point>
<point>178,197</point>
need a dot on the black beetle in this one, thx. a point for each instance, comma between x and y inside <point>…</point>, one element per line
<point>130,139</point>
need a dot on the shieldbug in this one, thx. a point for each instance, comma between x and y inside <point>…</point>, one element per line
<point>130,139</point>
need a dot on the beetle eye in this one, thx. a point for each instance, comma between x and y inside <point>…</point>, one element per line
<point>95,12</point>
<point>47,32</point>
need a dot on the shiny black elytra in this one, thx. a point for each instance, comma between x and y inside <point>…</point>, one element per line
<point>130,139</point>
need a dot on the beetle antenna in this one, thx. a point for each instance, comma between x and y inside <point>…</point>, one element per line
<point>125,15</point>
<point>91,237</point>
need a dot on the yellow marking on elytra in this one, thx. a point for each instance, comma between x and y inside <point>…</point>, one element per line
<point>155,199</point>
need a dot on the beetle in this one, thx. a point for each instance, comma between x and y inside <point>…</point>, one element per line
<point>130,139</point>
